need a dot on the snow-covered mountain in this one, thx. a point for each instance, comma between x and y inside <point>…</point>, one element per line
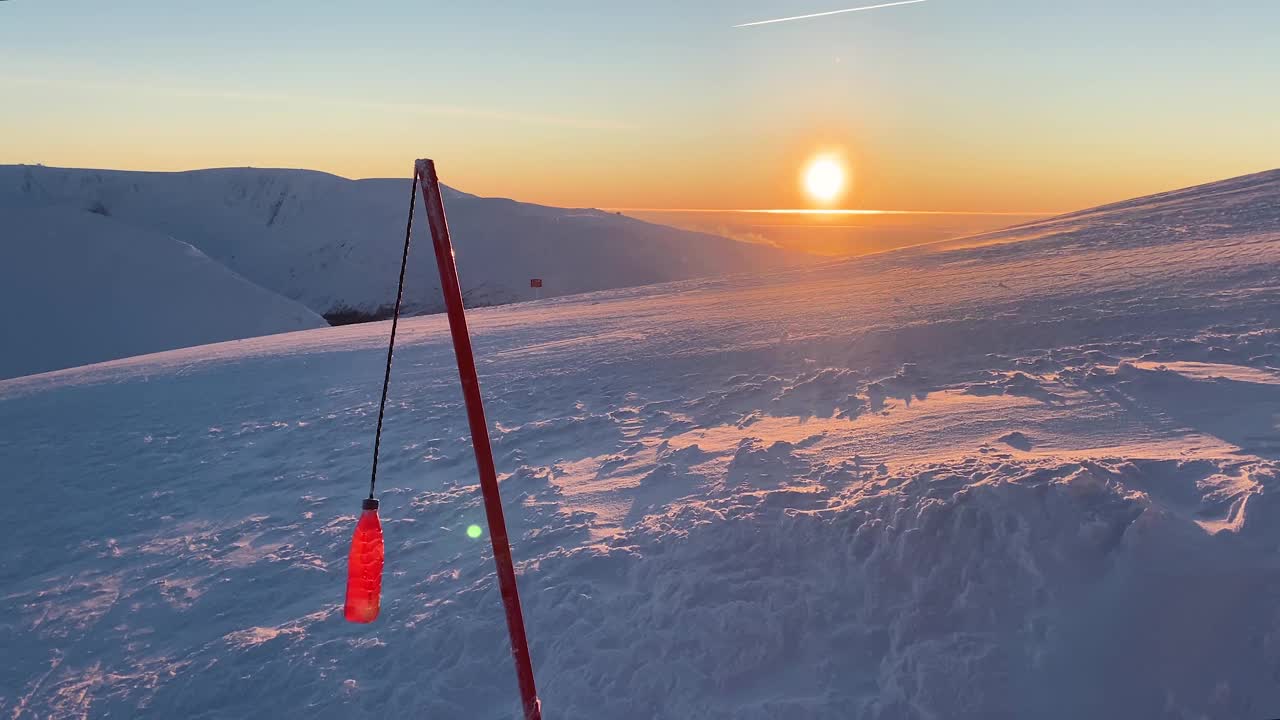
<point>334,244</point>
<point>79,287</point>
<point>1024,479</point>
<point>1239,206</point>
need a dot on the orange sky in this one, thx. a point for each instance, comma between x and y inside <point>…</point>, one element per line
<point>965,106</point>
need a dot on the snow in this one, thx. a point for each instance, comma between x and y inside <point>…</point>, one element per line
<point>1005,477</point>
<point>79,288</point>
<point>333,243</point>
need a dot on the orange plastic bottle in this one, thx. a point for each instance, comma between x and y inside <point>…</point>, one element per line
<point>364,567</point>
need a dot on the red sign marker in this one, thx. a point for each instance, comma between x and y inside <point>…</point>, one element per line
<point>535,283</point>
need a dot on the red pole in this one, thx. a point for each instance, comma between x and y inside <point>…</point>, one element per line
<point>425,170</point>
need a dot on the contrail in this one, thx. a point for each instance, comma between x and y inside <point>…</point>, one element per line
<point>829,12</point>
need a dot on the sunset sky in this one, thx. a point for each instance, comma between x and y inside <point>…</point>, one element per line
<point>959,105</point>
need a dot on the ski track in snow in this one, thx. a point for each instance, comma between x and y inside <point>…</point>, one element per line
<point>1023,479</point>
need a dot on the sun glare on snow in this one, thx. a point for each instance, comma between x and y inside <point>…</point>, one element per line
<point>824,179</point>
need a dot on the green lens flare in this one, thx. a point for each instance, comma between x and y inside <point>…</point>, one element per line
<point>474,531</point>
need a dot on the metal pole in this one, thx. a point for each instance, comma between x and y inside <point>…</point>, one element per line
<point>426,173</point>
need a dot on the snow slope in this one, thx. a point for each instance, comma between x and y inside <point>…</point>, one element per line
<point>79,288</point>
<point>1007,481</point>
<point>333,243</point>
<point>1206,212</point>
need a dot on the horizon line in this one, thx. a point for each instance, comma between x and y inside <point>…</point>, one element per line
<point>840,211</point>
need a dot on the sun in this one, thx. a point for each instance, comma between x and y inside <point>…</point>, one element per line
<point>824,179</point>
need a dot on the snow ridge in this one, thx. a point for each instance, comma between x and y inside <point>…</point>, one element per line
<point>82,287</point>
<point>334,244</point>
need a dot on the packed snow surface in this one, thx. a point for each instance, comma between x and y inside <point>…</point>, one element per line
<point>1031,476</point>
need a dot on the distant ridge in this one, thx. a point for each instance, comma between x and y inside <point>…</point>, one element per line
<point>333,244</point>
<point>1234,206</point>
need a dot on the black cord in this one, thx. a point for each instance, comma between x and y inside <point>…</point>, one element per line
<point>391,346</point>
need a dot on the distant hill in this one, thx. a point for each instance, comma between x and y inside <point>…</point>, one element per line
<point>78,287</point>
<point>1237,206</point>
<point>333,244</point>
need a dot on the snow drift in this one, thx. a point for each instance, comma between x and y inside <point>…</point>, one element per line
<point>79,287</point>
<point>334,244</point>
<point>1029,479</point>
